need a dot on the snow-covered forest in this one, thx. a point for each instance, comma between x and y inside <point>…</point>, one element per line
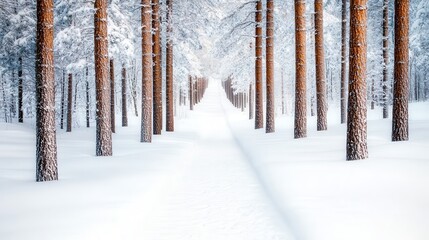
<point>208,119</point>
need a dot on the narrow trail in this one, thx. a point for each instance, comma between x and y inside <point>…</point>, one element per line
<point>218,195</point>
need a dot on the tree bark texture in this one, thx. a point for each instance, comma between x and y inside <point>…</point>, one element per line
<point>69,102</point>
<point>87,99</point>
<point>191,94</point>
<point>157,71</point>
<point>124,97</point>
<point>63,96</point>
<point>251,101</point>
<point>401,82</point>
<point>46,145</point>
<point>20,92</point>
<point>270,126</point>
<point>259,105</point>
<point>300,130</point>
<point>169,71</point>
<point>147,75</point>
<point>112,95</point>
<point>343,60</point>
<point>322,120</point>
<point>357,109</point>
<point>102,82</point>
<point>385,56</point>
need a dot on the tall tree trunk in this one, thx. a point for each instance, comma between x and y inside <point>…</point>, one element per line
<point>124,97</point>
<point>356,111</point>
<point>270,127</point>
<point>300,85</point>
<point>322,121</point>
<point>385,56</point>
<point>372,94</point>
<point>69,102</point>
<point>169,70</point>
<point>102,82</point>
<point>147,77</point>
<point>191,94</point>
<point>134,91</point>
<point>157,77</point>
<point>112,95</point>
<point>343,59</point>
<point>87,99</point>
<point>46,145</point>
<point>20,92</point>
<point>401,83</point>
<point>63,98</point>
<point>259,105</point>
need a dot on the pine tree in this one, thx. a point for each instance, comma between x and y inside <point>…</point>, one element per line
<point>385,56</point>
<point>112,95</point>
<point>322,121</point>
<point>401,87</point>
<point>157,68</point>
<point>169,70</point>
<point>147,77</point>
<point>102,83</point>
<point>87,99</point>
<point>270,126</point>
<point>124,97</point>
<point>69,103</point>
<point>356,111</point>
<point>46,146</point>
<point>259,118</point>
<point>300,86</point>
<point>20,92</point>
<point>343,60</point>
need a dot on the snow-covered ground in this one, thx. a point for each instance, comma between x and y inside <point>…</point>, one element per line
<point>217,178</point>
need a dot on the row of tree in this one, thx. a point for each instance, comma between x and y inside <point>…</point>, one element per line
<point>113,42</point>
<point>356,110</point>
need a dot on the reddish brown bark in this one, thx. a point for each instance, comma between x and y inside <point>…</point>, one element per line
<point>259,108</point>
<point>401,82</point>
<point>357,110</point>
<point>322,121</point>
<point>300,130</point>
<point>157,71</point>
<point>102,83</point>
<point>385,56</point>
<point>169,71</point>
<point>147,77</point>
<point>46,146</point>
<point>270,126</point>
<point>112,95</point>
<point>343,60</point>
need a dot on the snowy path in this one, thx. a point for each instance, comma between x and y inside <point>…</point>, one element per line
<point>217,196</point>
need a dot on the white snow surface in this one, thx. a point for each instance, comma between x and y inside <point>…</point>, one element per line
<point>218,178</point>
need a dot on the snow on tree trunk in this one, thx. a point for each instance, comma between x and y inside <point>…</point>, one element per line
<point>157,77</point>
<point>112,95</point>
<point>46,146</point>
<point>385,56</point>
<point>401,82</point>
<point>300,86</point>
<point>102,82</point>
<point>147,77</point>
<point>63,97</point>
<point>270,126</point>
<point>343,60</point>
<point>322,121</point>
<point>259,117</point>
<point>124,97</point>
<point>87,99</point>
<point>20,92</point>
<point>69,103</point>
<point>251,101</point>
<point>169,70</point>
<point>356,111</point>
